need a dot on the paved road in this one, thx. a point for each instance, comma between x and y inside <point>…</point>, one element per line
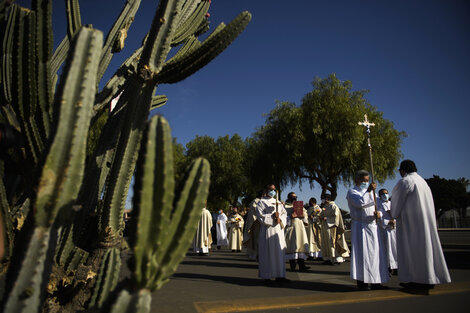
<point>228,282</point>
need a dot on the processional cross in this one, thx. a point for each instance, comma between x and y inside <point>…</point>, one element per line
<point>368,125</point>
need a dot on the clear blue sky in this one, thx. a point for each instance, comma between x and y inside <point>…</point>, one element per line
<point>413,56</point>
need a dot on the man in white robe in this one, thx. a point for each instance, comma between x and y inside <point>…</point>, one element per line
<point>235,230</point>
<point>203,239</point>
<point>296,235</point>
<point>387,230</point>
<point>251,230</point>
<point>368,259</point>
<point>221,228</point>
<point>272,244</point>
<point>334,246</point>
<point>314,229</point>
<point>421,263</point>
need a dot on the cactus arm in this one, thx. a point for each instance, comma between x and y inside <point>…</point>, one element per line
<point>59,56</point>
<point>136,100</point>
<point>138,302</point>
<point>154,193</point>
<point>7,53</point>
<point>10,116</point>
<point>187,9</point>
<point>191,24</point>
<point>63,169</point>
<point>158,101</point>
<point>191,43</point>
<point>6,226</point>
<point>117,82</point>
<point>157,45</point>
<point>74,21</point>
<point>107,278</point>
<point>43,9</point>
<point>184,221</point>
<point>26,293</point>
<point>186,65</point>
<point>115,38</point>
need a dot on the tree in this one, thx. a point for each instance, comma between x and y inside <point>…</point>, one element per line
<point>227,158</point>
<point>449,194</point>
<point>321,141</point>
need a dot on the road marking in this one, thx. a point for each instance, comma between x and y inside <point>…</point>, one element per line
<point>319,299</point>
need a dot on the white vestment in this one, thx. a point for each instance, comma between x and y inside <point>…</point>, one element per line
<point>203,239</point>
<point>420,256</point>
<point>235,231</point>
<point>221,228</point>
<point>368,258</point>
<point>388,233</point>
<point>272,244</point>
<point>296,235</point>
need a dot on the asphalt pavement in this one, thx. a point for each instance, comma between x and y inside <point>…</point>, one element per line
<point>227,281</point>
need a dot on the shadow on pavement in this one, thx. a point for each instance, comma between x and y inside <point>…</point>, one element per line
<point>243,281</point>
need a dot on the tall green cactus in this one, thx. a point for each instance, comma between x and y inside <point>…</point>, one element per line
<point>62,210</point>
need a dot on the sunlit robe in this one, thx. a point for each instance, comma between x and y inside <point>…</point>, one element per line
<point>368,258</point>
<point>203,239</point>
<point>221,228</point>
<point>235,231</point>
<point>314,231</point>
<point>333,242</point>
<point>420,256</point>
<point>296,235</point>
<point>388,233</point>
<point>272,244</point>
<point>251,231</point>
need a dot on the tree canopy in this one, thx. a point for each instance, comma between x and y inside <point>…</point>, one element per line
<point>321,141</point>
<point>449,194</point>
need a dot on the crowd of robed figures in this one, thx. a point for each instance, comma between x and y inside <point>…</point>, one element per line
<point>387,237</point>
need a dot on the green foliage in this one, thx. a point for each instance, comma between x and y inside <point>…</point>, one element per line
<point>321,141</point>
<point>227,157</point>
<point>449,194</point>
<point>65,180</point>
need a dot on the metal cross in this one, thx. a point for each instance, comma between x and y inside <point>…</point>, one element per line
<point>366,123</point>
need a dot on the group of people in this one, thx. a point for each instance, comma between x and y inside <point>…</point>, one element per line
<point>387,237</point>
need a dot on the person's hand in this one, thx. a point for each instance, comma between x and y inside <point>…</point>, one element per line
<point>218,222</point>
<point>372,186</point>
<point>276,214</point>
<point>294,215</point>
<point>377,214</point>
<point>392,222</point>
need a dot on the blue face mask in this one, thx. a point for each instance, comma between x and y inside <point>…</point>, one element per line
<point>384,197</point>
<point>272,193</point>
<point>364,185</point>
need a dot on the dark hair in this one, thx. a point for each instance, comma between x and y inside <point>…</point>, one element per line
<point>326,196</point>
<point>313,200</point>
<point>360,175</point>
<point>381,191</point>
<point>408,166</point>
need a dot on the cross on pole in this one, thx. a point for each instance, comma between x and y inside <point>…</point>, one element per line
<point>368,125</point>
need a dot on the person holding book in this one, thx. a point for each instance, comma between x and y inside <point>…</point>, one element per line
<point>296,234</point>
<point>333,243</point>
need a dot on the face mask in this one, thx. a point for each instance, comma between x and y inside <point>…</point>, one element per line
<point>384,197</point>
<point>220,212</point>
<point>272,193</point>
<point>364,185</point>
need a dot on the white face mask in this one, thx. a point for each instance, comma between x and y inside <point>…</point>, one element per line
<point>384,197</point>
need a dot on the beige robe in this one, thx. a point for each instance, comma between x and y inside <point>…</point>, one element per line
<point>251,231</point>
<point>296,235</point>
<point>235,231</point>
<point>333,242</point>
<point>203,239</point>
<point>314,229</point>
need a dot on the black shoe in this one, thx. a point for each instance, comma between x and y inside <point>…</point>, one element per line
<point>362,285</point>
<point>302,266</point>
<point>239,250</point>
<point>327,262</point>
<point>292,265</point>
<point>282,280</point>
<point>394,272</point>
<point>218,247</point>
<point>378,287</point>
